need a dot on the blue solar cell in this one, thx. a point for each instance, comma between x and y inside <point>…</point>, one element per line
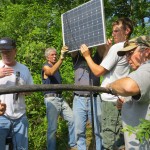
<point>84,25</point>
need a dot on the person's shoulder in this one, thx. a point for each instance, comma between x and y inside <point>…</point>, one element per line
<point>47,64</point>
<point>22,66</point>
<point>147,62</point>
<point>145,65</point>
<point>118,45</point>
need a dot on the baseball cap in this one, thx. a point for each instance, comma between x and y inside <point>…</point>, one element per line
<point>134,43</point>
<point>7,43</point>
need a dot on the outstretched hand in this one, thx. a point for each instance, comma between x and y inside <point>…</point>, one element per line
<point>64,51</point>
<point>2,108</point>
<point>119,104</point>
<point>109,43</point>
<point>84,50</point>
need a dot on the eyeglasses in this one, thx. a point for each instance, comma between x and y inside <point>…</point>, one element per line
<point>130,53</point>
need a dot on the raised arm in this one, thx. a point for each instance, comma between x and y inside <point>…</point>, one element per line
<point>96,69</point>
<point>48,71</point>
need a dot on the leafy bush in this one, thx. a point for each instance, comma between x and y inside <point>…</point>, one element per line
<point>142,131</point>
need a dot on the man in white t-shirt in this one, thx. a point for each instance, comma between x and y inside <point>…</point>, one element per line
<point>3,73</point>
<point>14,122</point>
<point>112,68</point>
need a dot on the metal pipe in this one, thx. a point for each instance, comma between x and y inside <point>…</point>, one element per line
<point>4,89</point>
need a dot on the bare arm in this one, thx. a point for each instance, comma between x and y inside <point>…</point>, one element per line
<point>96,69</point>
<point>49,71</point>
<point>124,87</point>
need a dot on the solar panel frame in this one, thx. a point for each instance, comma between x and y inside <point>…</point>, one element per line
<point>84,24</point>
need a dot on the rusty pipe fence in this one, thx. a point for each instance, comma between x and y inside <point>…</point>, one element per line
<point>46,87</point>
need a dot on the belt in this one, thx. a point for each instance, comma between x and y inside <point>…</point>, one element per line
<point>52,95</point>
<point>86,95</point>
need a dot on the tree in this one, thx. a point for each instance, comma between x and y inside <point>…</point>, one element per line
<point>35,25</point>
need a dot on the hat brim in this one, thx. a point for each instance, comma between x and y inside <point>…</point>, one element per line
<point>5,48</point>
<point>123,51</point>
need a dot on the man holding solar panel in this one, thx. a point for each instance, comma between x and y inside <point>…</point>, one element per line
<point>82,102</point>
<point>112,68</point>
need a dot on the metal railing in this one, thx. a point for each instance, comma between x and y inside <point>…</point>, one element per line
<point>4,89</point>
<point>46,87</point>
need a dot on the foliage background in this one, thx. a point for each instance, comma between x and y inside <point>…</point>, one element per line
<point>35,25</point>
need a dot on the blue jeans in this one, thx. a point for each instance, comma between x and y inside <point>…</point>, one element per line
<point>54,107</point>
<point>82,113</point>
<point>17,129</point>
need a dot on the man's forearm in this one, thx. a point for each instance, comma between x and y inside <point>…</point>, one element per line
<point>124,87</point>
<point>96,69</point>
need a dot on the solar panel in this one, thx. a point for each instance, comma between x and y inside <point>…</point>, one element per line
<point>84,25</point>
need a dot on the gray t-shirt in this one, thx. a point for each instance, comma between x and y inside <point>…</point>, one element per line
<point>83,75</point>
<point>138,106</point>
